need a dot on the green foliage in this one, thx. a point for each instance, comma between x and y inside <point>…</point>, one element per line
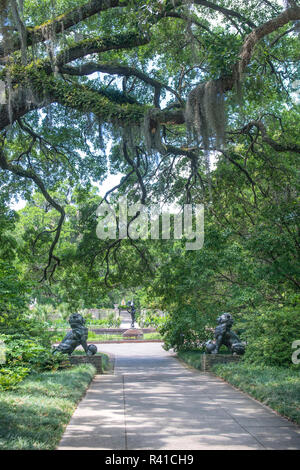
<point>27,326</point>
<point>9,378</point>
<point>34,415</point>
<point>109,322</point>
<point>13,294</point>
<point>249,260</point>
<point>270,335</point>
<point>184,329</point>
<point>24,356</point>
<point>151,319</point>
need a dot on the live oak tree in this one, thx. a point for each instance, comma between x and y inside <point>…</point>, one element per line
<point>170,83</point>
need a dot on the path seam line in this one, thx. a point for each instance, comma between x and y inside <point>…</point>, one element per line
<point>124,409</point>
<point>244,428</point>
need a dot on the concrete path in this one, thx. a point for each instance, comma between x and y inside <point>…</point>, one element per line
<point>154,402</point>
<point>125,319</point>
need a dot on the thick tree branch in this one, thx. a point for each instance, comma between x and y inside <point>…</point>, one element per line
<point>18,170</point>
<point>279,147</point>
<point>61,23</point>
<point>101,44</point>
<point>291,14</point>
<point>225,11</point>
<point>117,69</point>
<point>76,96</point>
<point>110,107</point>
<point>82,98</point>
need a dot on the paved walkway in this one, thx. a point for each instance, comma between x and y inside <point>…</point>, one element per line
<point>126,320</point>
<point>154,402</point>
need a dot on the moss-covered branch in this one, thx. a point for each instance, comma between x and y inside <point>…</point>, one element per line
<point>101,44</point>
<point>112,68</point>
<point>48,89</point>
<point>61,23</point>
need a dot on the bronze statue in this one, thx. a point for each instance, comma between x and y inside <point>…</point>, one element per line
<point>224,335</point>
<point>132,312</point>
<point>77,337</point>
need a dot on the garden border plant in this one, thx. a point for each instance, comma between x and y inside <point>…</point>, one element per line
<point>34,415</point>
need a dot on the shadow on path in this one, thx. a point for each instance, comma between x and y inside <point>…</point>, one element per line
<point>154,402</point>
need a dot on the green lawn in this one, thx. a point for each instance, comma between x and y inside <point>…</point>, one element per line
<point>92,336</point>
<point>154,335</point>
<point>35,414</point>
<point>194,358</point>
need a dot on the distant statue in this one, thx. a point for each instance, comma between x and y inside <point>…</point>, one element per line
<point>224,335</point>
<point>132,312</point>
<point>77,337</point>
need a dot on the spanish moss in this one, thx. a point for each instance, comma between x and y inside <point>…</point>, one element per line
<point>205,113</point>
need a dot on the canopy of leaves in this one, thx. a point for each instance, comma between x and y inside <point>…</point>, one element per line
<point>188,102</point>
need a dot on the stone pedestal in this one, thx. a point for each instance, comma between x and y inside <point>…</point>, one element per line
<point>136,333</point>
<point>96,361</point>
<point>209,360</point>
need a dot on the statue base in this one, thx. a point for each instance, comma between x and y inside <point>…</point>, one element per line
<point>96,361</point>
<point>209,360</point>
<point>135,333</point>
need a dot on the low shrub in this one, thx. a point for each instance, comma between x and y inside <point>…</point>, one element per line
<point>23,356</point>
<point>9,378</point>
<point>184,330</point>
<point>270,335</point>
<point>193,358</point>
<point>109,322</point>
<point>151,320</point>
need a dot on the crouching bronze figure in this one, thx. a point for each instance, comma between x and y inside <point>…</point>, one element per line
<point>224,335</point>
<point>77,337</point>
